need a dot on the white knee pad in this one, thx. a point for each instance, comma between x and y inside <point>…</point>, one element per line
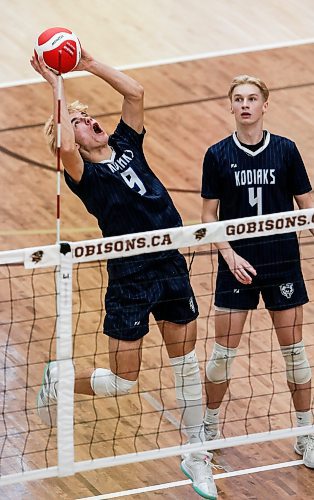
<point>106,383</point>
<point>219,366</point>
<point>187,377</point>
<point>297,366</point>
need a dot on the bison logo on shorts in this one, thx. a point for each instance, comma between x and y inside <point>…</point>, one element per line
<point>287,290</point>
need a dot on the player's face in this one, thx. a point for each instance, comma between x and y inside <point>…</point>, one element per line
<point>248,104</point>
<point>88,133</point>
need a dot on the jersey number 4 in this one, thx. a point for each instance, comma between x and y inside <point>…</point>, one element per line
<point>132,180</point>
<point>256,200</point>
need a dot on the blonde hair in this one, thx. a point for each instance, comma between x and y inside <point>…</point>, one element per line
<point>50,128</point>
<point>242,79</point>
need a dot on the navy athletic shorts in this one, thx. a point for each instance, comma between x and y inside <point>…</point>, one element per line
<point>279,291</point>
<point>163,289</point>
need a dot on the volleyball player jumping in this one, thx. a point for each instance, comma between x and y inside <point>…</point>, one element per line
<point>253,172</point>
<point>109,173</point>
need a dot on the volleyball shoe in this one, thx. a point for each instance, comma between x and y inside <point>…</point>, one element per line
<point>304,446</point>
<point>47,395</point>
<point>198,468</point>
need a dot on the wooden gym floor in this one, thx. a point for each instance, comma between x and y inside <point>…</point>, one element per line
<point>186,111</point>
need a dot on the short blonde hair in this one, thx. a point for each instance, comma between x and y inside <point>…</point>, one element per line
<point>50,128</point>
<point>242,79</point>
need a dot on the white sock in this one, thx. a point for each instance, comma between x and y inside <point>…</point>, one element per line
<point>304,418</point>
<point>192,418</point>
<point>212,416</point>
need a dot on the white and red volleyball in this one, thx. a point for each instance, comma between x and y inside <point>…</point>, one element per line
<point>60,49</point>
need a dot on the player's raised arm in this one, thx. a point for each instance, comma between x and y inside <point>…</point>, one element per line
<point>132,91</point>
<point>70,156</point>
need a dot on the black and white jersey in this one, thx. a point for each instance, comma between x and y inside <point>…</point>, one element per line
<point>124,194</point>
<point>249,183</point>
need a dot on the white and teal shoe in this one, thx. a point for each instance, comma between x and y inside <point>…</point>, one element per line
<point>197,467</point>
<point>304,446</point>
<point>47,395</point>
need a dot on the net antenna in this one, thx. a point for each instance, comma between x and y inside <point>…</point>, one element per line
<point>59,95</point>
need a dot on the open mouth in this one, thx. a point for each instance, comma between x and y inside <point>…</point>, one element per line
<point>97,129</point>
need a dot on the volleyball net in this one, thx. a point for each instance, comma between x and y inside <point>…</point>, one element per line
<point>52,308</point>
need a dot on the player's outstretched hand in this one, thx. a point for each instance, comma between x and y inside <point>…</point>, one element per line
<point>39,65</point>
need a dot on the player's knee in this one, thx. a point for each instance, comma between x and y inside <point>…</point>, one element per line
<point>297,365</point>
<point>106,383</point>
<point>218,368</point>
<point>187,377</point>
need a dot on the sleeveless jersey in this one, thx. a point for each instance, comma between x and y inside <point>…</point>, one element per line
<point>249,183</point>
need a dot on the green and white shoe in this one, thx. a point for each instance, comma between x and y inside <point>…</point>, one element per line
<point>304,446</point>
<point>197,467</point>
<point>47,395</point>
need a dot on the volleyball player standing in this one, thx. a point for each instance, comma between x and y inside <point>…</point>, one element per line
<point>254,172</point>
